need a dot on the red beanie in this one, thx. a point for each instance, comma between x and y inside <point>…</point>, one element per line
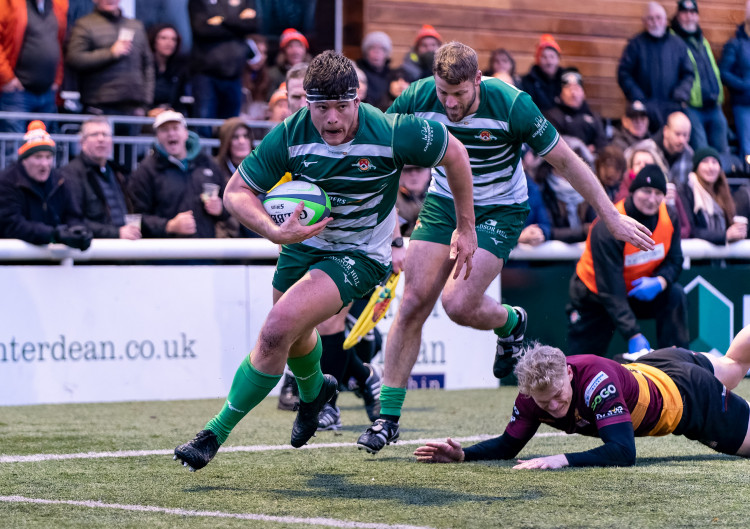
<point>291,34</point>
<point>546,41</point>
<point>427,31</point>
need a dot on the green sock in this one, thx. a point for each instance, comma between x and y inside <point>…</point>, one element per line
<point>504,331</point>
<point>307,370</point>
<point>249,387</point>
<point>391,400</point>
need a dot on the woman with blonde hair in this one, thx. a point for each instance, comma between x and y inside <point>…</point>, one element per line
<point>708,201</point>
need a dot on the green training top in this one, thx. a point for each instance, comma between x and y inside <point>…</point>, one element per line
<point>361,177</point>
<point>493,136</point>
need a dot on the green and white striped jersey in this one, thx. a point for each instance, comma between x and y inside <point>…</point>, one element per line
<point>493,136</point>
<point>361,177</point>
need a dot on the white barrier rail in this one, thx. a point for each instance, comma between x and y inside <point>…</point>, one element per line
<point>248,249</point>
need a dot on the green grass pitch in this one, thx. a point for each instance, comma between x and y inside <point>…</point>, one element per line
<point>675,483</point>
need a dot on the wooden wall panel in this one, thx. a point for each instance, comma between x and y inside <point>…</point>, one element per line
<point>591,33</point>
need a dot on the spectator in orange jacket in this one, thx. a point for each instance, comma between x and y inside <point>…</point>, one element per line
<point>31,63</point>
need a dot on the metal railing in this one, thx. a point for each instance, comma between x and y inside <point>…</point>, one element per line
<point>127,149</point>
<point>12,250</point>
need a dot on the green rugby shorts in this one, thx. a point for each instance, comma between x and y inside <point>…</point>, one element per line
<point>498,226</point>
<point>355,274</point>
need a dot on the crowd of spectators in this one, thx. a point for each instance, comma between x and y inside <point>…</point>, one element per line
<point>673,118</point>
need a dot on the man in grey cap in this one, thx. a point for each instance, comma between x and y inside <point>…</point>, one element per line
<point>633,126</point>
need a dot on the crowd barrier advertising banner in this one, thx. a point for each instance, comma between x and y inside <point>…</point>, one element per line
<point>95,334</point>
<point>118,333</point>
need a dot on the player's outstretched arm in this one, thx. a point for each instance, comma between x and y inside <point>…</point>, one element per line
<point>460,180</point>
<point>243,203</point>
<point>622,227</point>
<point>448,452</point>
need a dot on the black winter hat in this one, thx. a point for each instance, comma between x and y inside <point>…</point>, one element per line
<point>650,176</point>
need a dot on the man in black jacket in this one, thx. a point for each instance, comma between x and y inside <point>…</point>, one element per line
<point>35,203</point>
<point>655,68</point>
<point>167,188</point>
<point>615,283</point>
<point>220,49</point>
<point>97,188</point>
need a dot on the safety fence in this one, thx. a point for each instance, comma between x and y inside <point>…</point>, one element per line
<point>113,250</point>
<point>128,149</point>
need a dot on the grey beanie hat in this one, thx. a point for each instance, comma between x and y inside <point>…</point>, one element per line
<point>379,38</point>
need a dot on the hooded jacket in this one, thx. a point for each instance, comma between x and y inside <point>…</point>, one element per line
<point>162,186</point>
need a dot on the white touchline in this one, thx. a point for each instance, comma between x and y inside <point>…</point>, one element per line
<point>327,522</point>
<point>32,458</point>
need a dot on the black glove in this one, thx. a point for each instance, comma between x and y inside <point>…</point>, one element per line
<point>73,236</point>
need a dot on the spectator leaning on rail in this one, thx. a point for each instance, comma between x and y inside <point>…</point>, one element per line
<point>707,93</point>
<point>616,283</point>
<point>97,186</point>
<point>167,188</point>
<point>31,63</point>
<point>35,203</point>
<point>112,57</point>
<point>655,68</point>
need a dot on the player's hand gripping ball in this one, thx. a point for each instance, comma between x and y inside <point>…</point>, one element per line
<point>281,201</point>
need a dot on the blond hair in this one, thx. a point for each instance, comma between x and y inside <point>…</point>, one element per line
<point>541,367</point>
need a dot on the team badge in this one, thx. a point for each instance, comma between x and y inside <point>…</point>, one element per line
<point>363,164</point>
<point>485,135</point>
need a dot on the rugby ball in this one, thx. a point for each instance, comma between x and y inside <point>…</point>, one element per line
<point>281,201</point>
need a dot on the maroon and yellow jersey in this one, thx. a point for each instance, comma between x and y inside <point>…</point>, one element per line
<point>604,393</point>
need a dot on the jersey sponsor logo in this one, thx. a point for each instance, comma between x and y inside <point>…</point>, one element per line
<point>614,412</point>
<point>428,135</point>
<point>308,164</point>
<point>609,391</point>
<point>364,164</point>
<point>485,135</point>
<point>600,377</point>
<point>515,414</point>
<point>541,125</point>
<point>639,258</point>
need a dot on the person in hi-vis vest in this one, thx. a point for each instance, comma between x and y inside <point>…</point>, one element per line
<point>615,283</point>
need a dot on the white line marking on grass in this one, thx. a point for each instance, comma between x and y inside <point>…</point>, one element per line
<point>253,448</point>
<point>328,522</point>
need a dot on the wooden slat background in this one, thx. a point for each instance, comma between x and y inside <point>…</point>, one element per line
<point>591,33</point>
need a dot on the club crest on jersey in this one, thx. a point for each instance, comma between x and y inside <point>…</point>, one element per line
<point>363,164</point>
<point>485,135</point>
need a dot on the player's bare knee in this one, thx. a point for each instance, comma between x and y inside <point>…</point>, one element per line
<point>413,310</point>
<point>459,310</point>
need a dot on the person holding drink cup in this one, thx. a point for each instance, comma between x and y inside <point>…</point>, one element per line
<point>97,186</point>
<point>708,202</point>
<point>177,188</point>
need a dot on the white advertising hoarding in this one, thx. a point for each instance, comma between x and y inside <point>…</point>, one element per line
<point>119,333</point>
